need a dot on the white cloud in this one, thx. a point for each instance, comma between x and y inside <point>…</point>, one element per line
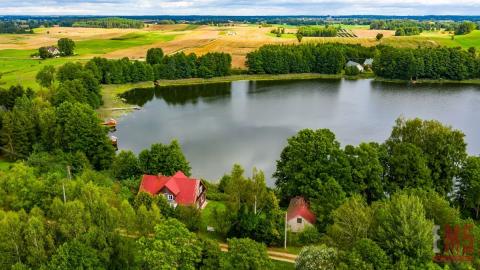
<point>241,7</point>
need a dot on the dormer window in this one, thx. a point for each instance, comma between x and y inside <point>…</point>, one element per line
<point>170,197</point>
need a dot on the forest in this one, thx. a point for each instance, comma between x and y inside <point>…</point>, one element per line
<point>110,22</point>
<point>390,63</point>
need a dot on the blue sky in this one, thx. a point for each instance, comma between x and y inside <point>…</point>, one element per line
<point>240,7</point>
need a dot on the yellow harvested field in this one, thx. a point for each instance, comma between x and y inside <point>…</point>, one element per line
<point>49,36</point>
<point>367,33</point>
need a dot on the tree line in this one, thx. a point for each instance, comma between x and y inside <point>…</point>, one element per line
<point>318,58</point>
<point>158,66</point>
<point>427,63</point>
<point>315,31</point>
<point>109,23</point>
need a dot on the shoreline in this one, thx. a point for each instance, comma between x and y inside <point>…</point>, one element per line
<point>111,99</point>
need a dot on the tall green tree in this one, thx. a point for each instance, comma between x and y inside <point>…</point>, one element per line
<point>468,196</point>
<point>46,76</point>
<point>402,230</point>
<point>443,148</point>
<point>78,129</point>
<point>173,247</point>
<point>164,159</point>
<point>246,254</point>
<point>154,56</point>
<point>125,165</point>
<point>310,157</point>
<point>66,46</point>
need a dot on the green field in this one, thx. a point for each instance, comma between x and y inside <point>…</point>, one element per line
<point>102,46</point>
<point>17,67</point>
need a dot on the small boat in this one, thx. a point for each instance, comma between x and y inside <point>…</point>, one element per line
<point>112,123</point>
<point>114,141</point>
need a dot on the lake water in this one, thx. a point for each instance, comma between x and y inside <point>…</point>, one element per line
<point>249,122</point>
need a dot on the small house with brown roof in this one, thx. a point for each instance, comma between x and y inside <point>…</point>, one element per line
<point>299,215</point>
<point>177,189</point>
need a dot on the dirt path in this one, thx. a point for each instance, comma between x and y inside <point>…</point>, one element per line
<point>274,255</point>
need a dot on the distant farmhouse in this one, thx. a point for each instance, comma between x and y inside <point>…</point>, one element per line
<point>368,63</point>
<point>177,189</point>
<point>299,215</point>
<point>53,51</point>
<point>355,64</point>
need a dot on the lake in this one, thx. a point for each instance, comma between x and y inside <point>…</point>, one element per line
<point>248,122</point>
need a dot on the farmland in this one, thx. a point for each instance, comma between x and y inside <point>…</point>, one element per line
<point>18,67</point>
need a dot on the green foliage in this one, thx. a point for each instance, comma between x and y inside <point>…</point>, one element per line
<point>408,31</point>
<point>465,28</point>
<point>246,254</point>
<point>367,169</point>
<point>312,31</point>
<point>310,158</point>
<point>365,254</point>
<point>316,258</point>
<point>44,53</point>
<point>406,167</point>
<point>402,230</point>
<point>252,209</point>
<point>426,63</point>
<point>66,46</point>
<point>125,166</point>
<point>317,58</point>
<point>110,22</point>
<point>190,216</point>
<point>154,56</point>
<point>468,196</point>
<point>164,159</point>
<point>211,255</point>
<point>299,37</point>
<point>78,129</point>
<point>173,247</point>
<point>75,255</point>
<point>352,71</point>
<point>444,149</point>
<point>46,76</point>
<point>329,196</point>
<point>379,36</point>
<point>351,222</point>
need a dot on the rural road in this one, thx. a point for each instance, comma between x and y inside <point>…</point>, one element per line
<point>274,255</point>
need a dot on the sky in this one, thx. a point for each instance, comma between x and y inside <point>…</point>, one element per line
<point>240,7</point>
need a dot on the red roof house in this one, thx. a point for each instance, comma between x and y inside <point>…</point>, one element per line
<point>178,189</point>
<point>299,215</point>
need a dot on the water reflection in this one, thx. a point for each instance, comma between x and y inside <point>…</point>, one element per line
<point>249,122</point>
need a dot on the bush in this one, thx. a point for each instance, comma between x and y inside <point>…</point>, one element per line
<point>352,71</point>
<point>308,236</point>
<point>316,258</point>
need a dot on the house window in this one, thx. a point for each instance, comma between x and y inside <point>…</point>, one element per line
<point>299,220</point>
<point>170,197</point>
